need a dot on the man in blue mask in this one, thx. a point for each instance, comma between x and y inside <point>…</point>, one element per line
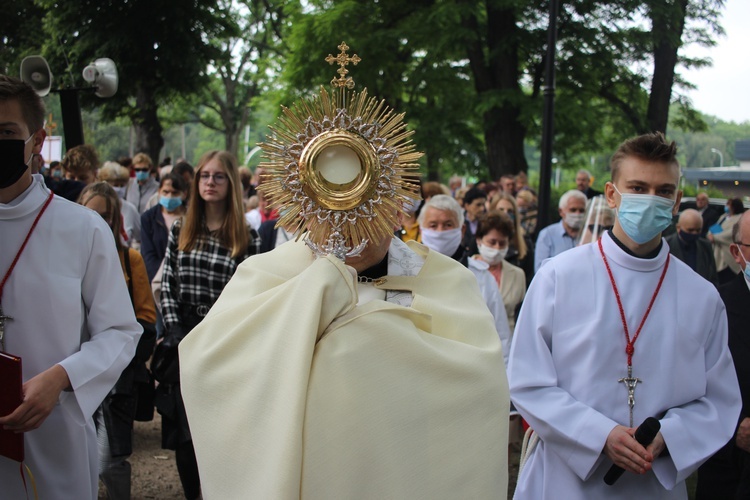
<point>614,332</point>
<point>688,245</point>
<point>727,473</point>
<point>144,185</point>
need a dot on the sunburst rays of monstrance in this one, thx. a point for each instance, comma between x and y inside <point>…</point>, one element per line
<point>340,167</point>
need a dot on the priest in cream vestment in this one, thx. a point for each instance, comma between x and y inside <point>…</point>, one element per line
<point>303,382</point>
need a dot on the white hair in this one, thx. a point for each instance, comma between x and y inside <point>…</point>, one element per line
<point>445,203</point>
<point>584,171</point>
<point>573,193</point>
<point>111,171</point>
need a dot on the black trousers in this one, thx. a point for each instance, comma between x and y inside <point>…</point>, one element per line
<point>725,476</point>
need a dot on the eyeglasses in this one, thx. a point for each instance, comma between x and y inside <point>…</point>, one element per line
<point>739,243</point>
<point>594,227</point>
<point>144,169</point>
<point>218,178</point>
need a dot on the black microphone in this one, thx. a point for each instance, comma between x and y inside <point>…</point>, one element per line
<point>644,434</point>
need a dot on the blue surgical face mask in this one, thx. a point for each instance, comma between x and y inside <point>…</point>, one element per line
<point>171,204</point>
<point>644,216</point>
<point>746,271</point>
<point>726,209</point>
<point>142,175</point>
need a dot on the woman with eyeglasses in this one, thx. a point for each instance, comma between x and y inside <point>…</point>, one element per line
<point>203,252</point>
<point>114,418</point>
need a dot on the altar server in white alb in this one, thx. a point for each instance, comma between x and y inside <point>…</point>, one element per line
<point>67,312</point>
<point>614,332</point>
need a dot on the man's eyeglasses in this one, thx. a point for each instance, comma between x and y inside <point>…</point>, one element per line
<point>595,227</point>
<point>218,178</point>
<point>739,243</point>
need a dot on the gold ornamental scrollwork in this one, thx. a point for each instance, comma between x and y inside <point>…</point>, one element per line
<point>340,167</point>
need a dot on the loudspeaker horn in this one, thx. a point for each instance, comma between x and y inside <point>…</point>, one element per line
<point>36,73</point>
<point>103,74</point>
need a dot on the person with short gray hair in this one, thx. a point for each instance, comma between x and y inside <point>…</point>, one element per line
<point>442,226</point>
<point>583,184</point>
<point>687,245</point>
<point>557,238</point>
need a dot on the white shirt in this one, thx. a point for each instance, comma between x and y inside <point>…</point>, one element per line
<point>253,219</point>
<point>131,223</point>
<point>491,294</point>
<point>568,354</point>
<point>70,306</point>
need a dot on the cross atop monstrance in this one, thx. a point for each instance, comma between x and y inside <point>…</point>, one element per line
<point>343,60</point>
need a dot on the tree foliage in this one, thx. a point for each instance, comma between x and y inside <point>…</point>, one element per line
<point>161,47</point>
<point>469,74</point>
<point>243,67</point>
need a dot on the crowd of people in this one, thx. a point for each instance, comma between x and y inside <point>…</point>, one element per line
<point>278,373</point>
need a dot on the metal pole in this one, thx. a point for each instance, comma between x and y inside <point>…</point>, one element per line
<point>71,115</point>
<point>545,166</point>
<point>721,156</point>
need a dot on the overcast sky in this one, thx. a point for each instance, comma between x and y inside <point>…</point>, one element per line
<point>724,89</point>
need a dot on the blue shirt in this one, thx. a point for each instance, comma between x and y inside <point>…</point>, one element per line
<point>552,240</point>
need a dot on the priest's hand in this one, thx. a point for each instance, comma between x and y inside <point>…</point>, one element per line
<point>743,435</point>
<point>40,395</point>
<point>622,448</point>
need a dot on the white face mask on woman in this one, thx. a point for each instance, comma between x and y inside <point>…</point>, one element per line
<point>491,255</point>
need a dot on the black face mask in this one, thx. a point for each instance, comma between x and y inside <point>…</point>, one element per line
<point>12,165</point>
<point>689,238</point>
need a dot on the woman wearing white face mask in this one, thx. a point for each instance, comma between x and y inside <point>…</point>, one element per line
<point>521,247</point>
<point>493,235</point>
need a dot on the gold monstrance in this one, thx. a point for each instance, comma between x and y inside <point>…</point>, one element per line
<point>340,167</point>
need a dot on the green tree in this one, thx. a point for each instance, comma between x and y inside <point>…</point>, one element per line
<point>20,33</point>
<point>161,49</point>
<point>244,66</point>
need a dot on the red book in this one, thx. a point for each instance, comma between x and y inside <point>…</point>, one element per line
<point>11,396</point>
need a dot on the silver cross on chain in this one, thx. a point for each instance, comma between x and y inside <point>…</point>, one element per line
<point>630,384</point>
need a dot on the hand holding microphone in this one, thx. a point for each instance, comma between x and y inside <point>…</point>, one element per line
<point>644,434</point>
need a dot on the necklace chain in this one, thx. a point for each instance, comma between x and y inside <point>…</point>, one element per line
<point>630,345</point>
<point>367,279</point>
<point>13,265</point>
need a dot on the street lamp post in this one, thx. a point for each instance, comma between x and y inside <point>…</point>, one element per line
<point>721,156</point>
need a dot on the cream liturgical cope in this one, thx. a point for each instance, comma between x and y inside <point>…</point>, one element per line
<point>568,355</point>
<point>70,306</point>
<point>294,390</point>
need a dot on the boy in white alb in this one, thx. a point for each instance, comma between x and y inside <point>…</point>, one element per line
<point>72,325</point>
<point>614,332</point>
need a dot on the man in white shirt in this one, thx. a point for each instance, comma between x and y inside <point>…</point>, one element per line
<point>617,331</point>
<point>71,324</point>
<point>557,238</point>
